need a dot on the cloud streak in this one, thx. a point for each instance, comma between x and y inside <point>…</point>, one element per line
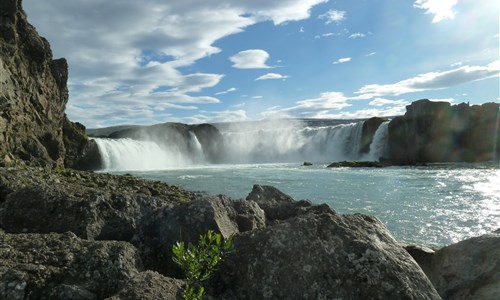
<point>333,16</point>
<point>272,76</point>
<point>432,81</point>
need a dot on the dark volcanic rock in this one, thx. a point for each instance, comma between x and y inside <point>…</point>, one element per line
<point>276,204</point>
<point>81,153</point>
<point>358,164</point>
<point>469,269</point>
<point>93,206</point>
<point>62,266</point>
<point>151,285</point>
<point>211,140</point>
<point>321,255</point>
<point>186,222</point>
<point>33,93</point>
<point>438,132</point>
<point>370,126</point>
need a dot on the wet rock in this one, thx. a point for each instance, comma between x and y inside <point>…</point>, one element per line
<point>370,126</point>
<point>322,255</point>
<point>62,266</point>
<point>150,285</point>
<point>438,132</point>
<point>358,164</point>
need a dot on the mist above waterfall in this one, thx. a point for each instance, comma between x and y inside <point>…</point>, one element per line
<point>277,141</point>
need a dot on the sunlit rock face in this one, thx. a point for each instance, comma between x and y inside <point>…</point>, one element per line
<point>438,132</point>
<point>33,93</point>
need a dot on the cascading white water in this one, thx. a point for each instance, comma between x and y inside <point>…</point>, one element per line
<point>495,136</point>
<point>379,146</point>
<point>289,142</point>
<point>127,154</point>
<point>293,143</point>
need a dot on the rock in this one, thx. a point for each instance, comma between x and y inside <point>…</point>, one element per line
<point>62,266</point>
<point>81,153</point>
<point>358,164</point>
<point>438,132</point>
<point>33,93</point>
<point>322,255</point>
<point>422,255</point>
<point>469,269</point>
<point>370,126</point>
<point>211,140</point>
<point>307,164</point>
<point>186,222</point>
<point>93,206</point>
<point>276,204</point>
<point>150,285</point>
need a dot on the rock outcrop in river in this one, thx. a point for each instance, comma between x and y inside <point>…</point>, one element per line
<point>439,132</point>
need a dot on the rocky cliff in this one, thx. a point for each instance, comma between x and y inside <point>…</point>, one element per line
<point>33,93</point>
<point>438,132</point>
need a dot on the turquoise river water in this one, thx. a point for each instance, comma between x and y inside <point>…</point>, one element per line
<point>433,205</point>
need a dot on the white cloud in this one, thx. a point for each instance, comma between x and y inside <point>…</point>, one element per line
<point>370,54</point>
<point>331,16</point>
<point>357,35</point>
<point>432,81</point>
<point>458,63</point>
<point>342,60</point>
<point>250,59</point>
<point>108,56</point>
<point>227,91</point>
<point>384,102</point>
<point>272,76</point>
<point>441,9</point>
<point>257,97</point>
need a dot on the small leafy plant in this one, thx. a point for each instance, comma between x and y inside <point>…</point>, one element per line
<point>200,262</point>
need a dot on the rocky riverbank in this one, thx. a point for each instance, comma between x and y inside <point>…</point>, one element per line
<point>81,235</point>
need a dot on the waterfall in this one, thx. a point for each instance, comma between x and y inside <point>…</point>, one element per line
<point>290,142</point>
<point>379,147</point>
<point>293,143</point>
<point>127,154</point>
<point>495,136</point>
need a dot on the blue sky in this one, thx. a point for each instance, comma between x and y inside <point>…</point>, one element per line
<point>194,61</point>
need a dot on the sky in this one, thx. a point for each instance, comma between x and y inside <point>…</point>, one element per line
<point>193,61</point>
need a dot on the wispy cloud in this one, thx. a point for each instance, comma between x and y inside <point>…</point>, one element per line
<point>357,35</point>
<point>227,91</point>
<point>250,59</point>
<point>272,76</point>
<point>432,81</point>
<point>333,16</point>
<point>441,9</point>
<point>370,54</point>
<point>150,56</point>
<point>342,60</point>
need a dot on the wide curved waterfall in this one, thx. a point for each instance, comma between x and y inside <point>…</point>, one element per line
<point>289,142</point>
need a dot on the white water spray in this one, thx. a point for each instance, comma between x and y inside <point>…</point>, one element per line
<point>495,136</point>
<point>379,146</point>
<point>127,155</point>
<point>278,142</point>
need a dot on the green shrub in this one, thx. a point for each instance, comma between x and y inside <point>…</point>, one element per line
<point>200,262</point>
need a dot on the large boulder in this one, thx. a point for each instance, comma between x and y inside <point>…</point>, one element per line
<point>81,153</point>
<point>319,254</point>
<point>469,269</point>
<point>62,266</point>
<point>186,222</point>
<point>93,206</point>
<point>151,285</point>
